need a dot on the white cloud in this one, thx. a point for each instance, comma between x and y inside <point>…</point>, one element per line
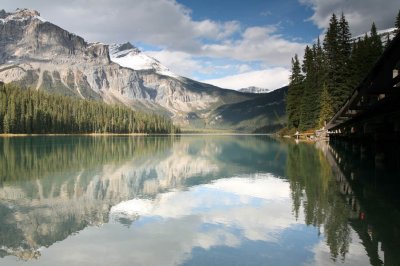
<point>359,13</point>
<point>212,30</point>
<point>257,44</point>
<point>244,68</point>
<point>272,78</point>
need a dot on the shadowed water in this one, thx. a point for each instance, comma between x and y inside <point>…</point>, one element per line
<point>192,200</point>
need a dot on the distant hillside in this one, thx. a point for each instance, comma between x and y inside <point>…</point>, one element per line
<point>264,114</point>
<point>253,89</point>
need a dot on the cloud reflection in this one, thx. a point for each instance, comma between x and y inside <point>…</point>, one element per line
<point>223,213</point>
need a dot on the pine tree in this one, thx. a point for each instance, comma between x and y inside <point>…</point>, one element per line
<point>326,111</point>
<point>6,123</point>
<point>331,48</point>
<point>308,100</point>
<point>295,93</point>
<point>337,47</point>
<point>387,41</point>
<point>320,67</point>
<point>344,39</point>
<point>366,52</point>
<point>397,23</point>
<point>355,61</point>
<point>376,47</point>
<point>319,75</point>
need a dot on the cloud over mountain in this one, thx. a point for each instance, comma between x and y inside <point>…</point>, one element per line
<point>359,13</point>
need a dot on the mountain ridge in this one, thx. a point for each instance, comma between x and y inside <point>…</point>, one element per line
<point>41,55</point>
<point>253,89</point>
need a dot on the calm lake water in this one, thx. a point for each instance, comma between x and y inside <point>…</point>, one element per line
<point>194,200</point>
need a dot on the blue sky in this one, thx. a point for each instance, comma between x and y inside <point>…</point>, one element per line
<point>284,15</point>
<point>288,14</point>
<point>231,44</point>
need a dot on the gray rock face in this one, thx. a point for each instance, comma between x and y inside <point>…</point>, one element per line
<point>25,35</point>
<point>38,54</point>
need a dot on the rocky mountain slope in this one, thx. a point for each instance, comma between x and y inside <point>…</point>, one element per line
<point>37,54</point>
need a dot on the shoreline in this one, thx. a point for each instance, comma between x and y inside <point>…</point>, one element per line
<point>16,135</point>
<point>12,135</point>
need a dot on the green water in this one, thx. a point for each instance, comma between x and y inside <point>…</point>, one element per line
<point>194,200</point>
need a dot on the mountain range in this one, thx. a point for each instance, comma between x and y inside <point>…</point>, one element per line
<point>37,54</point>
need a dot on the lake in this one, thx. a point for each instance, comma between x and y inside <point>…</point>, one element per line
<point>194,200</point>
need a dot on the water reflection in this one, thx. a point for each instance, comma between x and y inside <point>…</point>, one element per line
<point>370,188</point>
<point>52,187</point>
<point>190,200</point>
<point>314,187</point>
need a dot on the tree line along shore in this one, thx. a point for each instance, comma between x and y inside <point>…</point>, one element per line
<point>26,111</point>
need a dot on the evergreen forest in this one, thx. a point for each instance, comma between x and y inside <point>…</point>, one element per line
<point>329,72</point>
<point>34,112</point>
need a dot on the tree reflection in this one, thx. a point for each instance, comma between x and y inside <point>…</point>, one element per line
<point>371,188</point>
<point>38,157</point>
<point>52,187</point>
<point>314,187</point>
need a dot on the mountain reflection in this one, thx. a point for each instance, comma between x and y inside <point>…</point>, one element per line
<point>194,200</point>
<point>52,187</point>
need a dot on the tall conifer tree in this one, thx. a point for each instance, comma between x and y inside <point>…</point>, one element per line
<point>344,42</point>
<point>376,47</point>
<point>337,47</point>
<point>295,93</point>
<point>344,39</point>
<point>397,23</point>
<point>326,110</point>
<point>309,102</point>
<point>331,48</point>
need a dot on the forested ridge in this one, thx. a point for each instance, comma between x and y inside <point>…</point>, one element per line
<point>329,73</point>
<point>35,112</point>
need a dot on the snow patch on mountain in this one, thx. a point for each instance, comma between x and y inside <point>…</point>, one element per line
<point>384,34</point>
<point>129,56</point>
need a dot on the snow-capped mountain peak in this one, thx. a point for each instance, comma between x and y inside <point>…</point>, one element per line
<point>121,50</point>
<point>129,56</point>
